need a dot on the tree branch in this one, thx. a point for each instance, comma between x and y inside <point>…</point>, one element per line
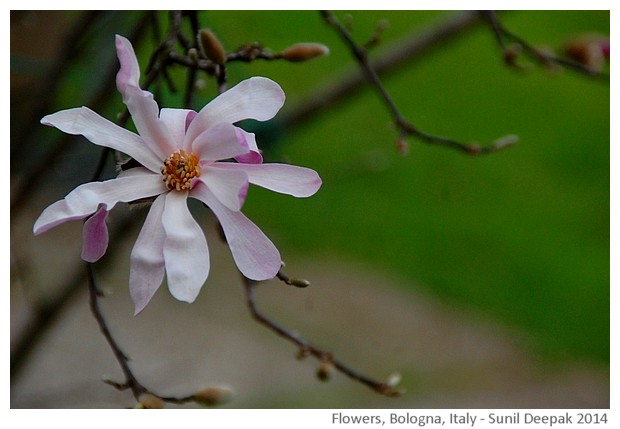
<point>546,58</point>
<point>326,359</point>
<point>405,127</point>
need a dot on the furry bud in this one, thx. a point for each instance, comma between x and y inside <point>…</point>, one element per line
<point>590,50</point>
<point>304,51</point>
<point>211,47</point>
<point>150,401</point>
<point>212,396</point>
<point>324,372</point>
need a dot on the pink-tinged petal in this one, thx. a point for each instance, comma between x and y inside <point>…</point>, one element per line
<point>100,131</point>
<point>190,117</point>
<point>147,257</point>
<point>230,187</point>
<point>143,108</point>
<point>249,140</point>
<point>175,120</point>
<point>255,98</point>
<point>255,255</point>
<point>185,249</point>
<point>145,115</point>
<point>282,178</point>
<point>85,199</point>
<point>218,142</point>
<point>129,73</point>
<point>95,236</point>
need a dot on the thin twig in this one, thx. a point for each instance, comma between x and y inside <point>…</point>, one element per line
<point>392,57</point>
<point>37,173</point>
<point>307,349</point>
<point>131,382</point>
<point>542,56</point>
<point>405,127</point>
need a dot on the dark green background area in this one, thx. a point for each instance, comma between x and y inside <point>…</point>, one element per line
<point>521,236</point>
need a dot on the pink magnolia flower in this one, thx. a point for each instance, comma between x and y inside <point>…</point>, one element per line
<point>182,154</point>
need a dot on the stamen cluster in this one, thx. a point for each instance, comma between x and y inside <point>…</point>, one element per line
<point>179,169</point>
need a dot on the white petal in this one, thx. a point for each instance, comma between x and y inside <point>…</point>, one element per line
<point>185,249</point>
<point>230,187</point>
<point>249,140</point>
<point>102,132</point>
<point>145,115</point>
<point>282,178</point>
<point>255,98</point>
<point>218,142</point>
<point>255,255</point>
<point>129,73</point>
<point>85,199</point>
<point>143,108</point>
<point>147,257</point>
<point>175,120</point>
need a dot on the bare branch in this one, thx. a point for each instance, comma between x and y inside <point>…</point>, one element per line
<point>405,127</point>
<point>326,359</point>
<point>544,57</point>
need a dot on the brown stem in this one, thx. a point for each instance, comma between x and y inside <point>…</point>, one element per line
<point>308,349</point>
<point>405,127</point>
<point>130,380</point>
<point>538,55</point>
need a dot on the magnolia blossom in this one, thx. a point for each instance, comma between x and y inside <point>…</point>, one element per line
<point>181,154</point>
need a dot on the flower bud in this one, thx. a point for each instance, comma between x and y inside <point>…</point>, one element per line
<point>150,401</point>
<point>590,50</point>
<point>402,145</point>
<point>212,396</point>
<point>193,54</point>
<point>211,47</point>
<point>303,353</point>
<point>304,51</point>
<point>505,141</point>
<point>393,379</point>
<point>299,283</point>
<point>473,148</point>
<point>324,372</point>
<point>512,53</point>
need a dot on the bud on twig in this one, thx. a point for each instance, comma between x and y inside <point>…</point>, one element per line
<point>512,54</point>
<point>304,51</point>
<point>324,372</point>
<point>211,47</point>
<point>193,54</point>
<point>150,401</point>
<point>212,396</point>
<point>393,379</point>
<point>402,145</point>
<point>590,50</point>
<point>301,283</point>
<point>505,141</point>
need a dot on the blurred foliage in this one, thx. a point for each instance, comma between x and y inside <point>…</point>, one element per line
<point>520,236</point>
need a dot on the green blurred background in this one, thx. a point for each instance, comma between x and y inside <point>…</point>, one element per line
<point>520,236</point>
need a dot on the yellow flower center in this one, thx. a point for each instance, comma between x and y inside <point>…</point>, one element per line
<point>179,169</point>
